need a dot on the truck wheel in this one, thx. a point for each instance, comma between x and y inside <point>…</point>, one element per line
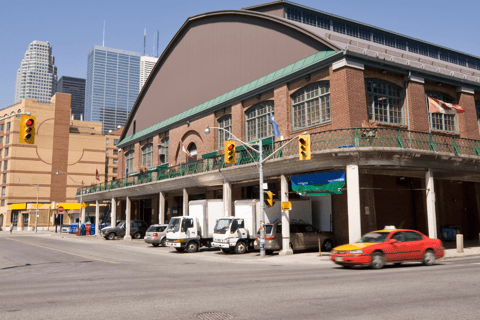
<point>192,247</point>
<point>180,249</point>
<point>241,247</point>
<point>225,250</point>
<point>111,236</point>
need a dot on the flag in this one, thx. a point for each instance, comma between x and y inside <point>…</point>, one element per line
<point>439,106</point>
<point>276,132</point>
<point>97,176</point>
<point>185,150</point>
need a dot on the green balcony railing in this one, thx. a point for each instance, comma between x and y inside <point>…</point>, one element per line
<point>325,140</point>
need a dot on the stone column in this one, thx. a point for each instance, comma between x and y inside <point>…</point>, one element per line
<point>82,219</point>
<point>353,201</point>
<point>161,208</point>
<point>113,214</point>
<point>431,212</point>
<point>227,199</point>
<point>97,218</point>
<point>185,202</point>
<point>128,237</point>
<point>285,219</point>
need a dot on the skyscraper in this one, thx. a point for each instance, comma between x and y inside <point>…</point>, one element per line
<point>37,75</point>
<point>76,87</point>
<point>113,79</point>
<point>146,65</point>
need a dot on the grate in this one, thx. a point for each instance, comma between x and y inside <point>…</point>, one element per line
<point>215,316</point>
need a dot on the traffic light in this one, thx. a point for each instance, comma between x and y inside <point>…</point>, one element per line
<point>27,129</point>
<point>269,198</point>
<point>230,151</point>
<point>304,147</point>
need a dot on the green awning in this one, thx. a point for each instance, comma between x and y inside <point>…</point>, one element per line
<point>210,155</point>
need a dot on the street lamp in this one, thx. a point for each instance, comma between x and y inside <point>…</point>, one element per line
<point>81,196</point>
<point>261,161</point>
<point>36,208</point>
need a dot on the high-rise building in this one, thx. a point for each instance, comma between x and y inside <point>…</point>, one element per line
<point>37,75</point>
<point>113,78</point>
<point>146,65</point>
<point>76,87</point>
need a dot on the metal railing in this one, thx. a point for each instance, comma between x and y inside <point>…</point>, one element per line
<point>324,140</point>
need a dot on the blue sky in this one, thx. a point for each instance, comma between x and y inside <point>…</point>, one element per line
<point>73,27</point>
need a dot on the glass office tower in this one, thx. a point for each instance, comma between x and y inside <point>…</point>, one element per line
<point>113,78</point>
<point>76,87</point>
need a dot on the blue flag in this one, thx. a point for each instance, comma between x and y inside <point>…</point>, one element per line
<point>276,132</point>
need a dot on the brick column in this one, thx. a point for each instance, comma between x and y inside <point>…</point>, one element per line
<point>238,121</point>
<point>347,95</point>
<point>282,110</point>
<point>467,121</point>
<point>137,161</point>
<point>155,142</point>
<point>417,105</point>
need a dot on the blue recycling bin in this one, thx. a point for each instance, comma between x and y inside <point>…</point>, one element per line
<point>92,229</point>
<point>447,234</point>
<point>83,230</point>
<point>73,228</point>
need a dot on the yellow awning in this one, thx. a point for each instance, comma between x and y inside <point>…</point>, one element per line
<point>68,205</point>
<point>18,206</point>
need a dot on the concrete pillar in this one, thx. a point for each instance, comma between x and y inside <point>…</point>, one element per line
<point>113,214</point>
<point>227,199</point>
<point>431,212</point>
<point>353,201</point>
<point>285,219</point>
<point>459,242</point>
<point>128,237</point>
<point>185,202</point>
<point>161,208</point>
<point>82,219</point>
<point>97,218</point>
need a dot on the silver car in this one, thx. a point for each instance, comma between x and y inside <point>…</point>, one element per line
<point>156,235</point>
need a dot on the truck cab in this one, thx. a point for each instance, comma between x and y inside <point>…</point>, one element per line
<point>230,234</point>
<point>183,234</point>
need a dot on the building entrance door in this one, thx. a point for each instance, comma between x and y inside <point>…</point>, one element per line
<point>24,221</point>
<point>14,219</point>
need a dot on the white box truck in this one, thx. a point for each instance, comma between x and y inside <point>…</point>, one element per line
<point>189,233</point>
<point>237,233</point>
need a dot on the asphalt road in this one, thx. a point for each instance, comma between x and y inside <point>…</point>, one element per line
<point>51,278</point>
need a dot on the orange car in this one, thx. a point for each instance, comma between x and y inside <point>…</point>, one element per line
<point>390,245</point>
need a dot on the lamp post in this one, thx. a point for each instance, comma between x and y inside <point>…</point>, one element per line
<point>36,207</point>
<point>81,196</point>
<point>261,161</point>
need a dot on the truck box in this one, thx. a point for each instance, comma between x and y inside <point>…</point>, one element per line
<point>206,213</point>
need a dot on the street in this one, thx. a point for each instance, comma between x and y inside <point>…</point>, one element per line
<point>45,277</point>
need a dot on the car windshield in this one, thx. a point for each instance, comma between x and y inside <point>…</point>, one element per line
<point>374,237</point>
<point>174,225</point>
<point>222,226</point>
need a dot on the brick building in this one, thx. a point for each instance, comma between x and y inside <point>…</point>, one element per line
<point>361,92</point>
<point>76,149</point>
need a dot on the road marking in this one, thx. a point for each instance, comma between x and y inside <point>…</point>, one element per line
<point>74,254</point>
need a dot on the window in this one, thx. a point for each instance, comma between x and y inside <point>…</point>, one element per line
<point>258,121</point>
<point>4,179</point>
<point>108,141</point>
<point>163,151</point>
<point>225,123</point>
<point>477,106</point>
<point>2,203</point>
<point>115,170</point>
<point>8,126</point>
<point>1,150</point>
<point>147,155</point>
<point>7,139</point>
<point>1,140</point>
<point>6,152</point>
<point>4,191</point>
<point>384,101</point>
<point>441,121</point>
<point>311,105</point>
<point>2,127</point>
<point>115,161</point>
<point>115,142</point>
<point>5,165</point>
<point>106,151</point>
<point>129,161</point>
<point>192,149</point>
<point>115,152</point>
<point>412,236</point>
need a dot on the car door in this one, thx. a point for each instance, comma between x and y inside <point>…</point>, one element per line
<point>297,232</point>
<point>396,251</point>
<point>415,245</point>
<point>311,237</point>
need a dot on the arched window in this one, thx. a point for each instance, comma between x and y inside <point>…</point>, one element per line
<point>192,149</point>
<point>224,122</point>
<point>19,111</point>
<point>311,105</point>
<point>129,156</point>
<point>163,151</point>
<point>442,121</point>
<point>257,120</point>
<point>147,155</point>
<point>384,101</point>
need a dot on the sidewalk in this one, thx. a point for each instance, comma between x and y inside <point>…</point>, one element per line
<point>471,249</point>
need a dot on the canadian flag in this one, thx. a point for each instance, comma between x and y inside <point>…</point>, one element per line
<point>97,176</point>
<point>439,106</point>
<point>182,146</point>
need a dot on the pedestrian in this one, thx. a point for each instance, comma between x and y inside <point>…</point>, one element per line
<point>11,228</point>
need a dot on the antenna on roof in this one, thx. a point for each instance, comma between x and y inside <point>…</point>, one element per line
<point>103,43</point>
<point>153,50</point>
<point>144,40</point>
<point>157,42</point>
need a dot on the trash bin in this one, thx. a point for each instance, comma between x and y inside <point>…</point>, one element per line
<point>87,231</point>
<point>92,229</point>
<point>449,233</point>
<point>83,230</point>
<point>73,228</point>
<point>78,232</point>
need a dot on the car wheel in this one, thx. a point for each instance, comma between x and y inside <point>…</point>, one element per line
<point>137,235</point>
<point>155,244</point>
<point>225,250</point>
<point>268,252</point>
<point>397,264</point>
<point>180,249</point>
<point>346,266</point>
<point>429,258</point>
<point>327,245</point>
<point>241,247</point>
<point>164,242</point>
<point>192,247</point>
<point>378,260</point>
<point>111,236</point>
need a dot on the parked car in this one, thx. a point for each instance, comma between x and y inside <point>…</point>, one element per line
<point>137,230</point>
<point>157,235</point>
<point>303,236</point>
<point>377,248</point>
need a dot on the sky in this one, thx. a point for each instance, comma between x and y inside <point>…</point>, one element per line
<point>73,27</point>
